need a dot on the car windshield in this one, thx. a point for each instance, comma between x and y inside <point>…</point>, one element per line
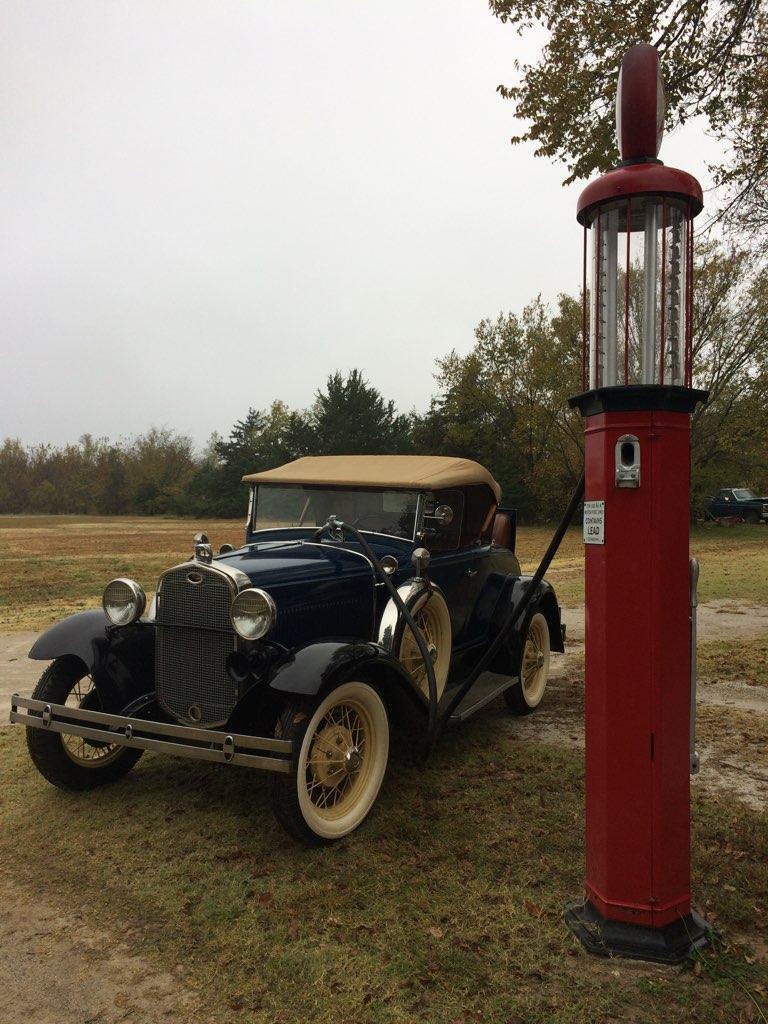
<point>390,512</point>
<point>744,494</point>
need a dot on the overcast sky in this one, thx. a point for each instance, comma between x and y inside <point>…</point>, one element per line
<point>210,205</point>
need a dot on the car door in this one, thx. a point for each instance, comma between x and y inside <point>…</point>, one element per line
<point>460,575</point>
<point>724,503</point>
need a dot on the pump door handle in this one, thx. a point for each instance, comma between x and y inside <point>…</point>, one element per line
<point>694,578</point>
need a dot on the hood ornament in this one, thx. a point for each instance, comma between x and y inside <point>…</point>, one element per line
<point>203,549</point>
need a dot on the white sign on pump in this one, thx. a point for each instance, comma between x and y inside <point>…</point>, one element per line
<point>594,522</point>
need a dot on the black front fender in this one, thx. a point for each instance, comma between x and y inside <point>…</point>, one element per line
<point>120,660</point>
<point>79,635</point>
<point>313,668</point>
<point>317,668</point>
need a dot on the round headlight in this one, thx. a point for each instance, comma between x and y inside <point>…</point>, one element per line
<point>253,613</point>
<point>124,601</point>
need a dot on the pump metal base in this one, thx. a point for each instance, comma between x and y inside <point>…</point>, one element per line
<point>671,944</point>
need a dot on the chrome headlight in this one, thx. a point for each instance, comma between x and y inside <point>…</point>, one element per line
<point>124,602</point>
<point>253,613</point>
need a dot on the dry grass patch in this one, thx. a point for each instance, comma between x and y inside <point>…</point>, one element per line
<point>744,661</point>
<point>51,566</point>
<point>734,561</point>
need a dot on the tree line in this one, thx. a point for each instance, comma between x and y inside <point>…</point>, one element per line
<point>503,403</point>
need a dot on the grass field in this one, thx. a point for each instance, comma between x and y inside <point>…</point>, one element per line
<point>446,906</point>
<point>53,565</point>
<point>734,561</point>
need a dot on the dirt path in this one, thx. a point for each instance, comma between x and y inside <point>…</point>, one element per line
<point>717,620</point>
<point>56,970</point>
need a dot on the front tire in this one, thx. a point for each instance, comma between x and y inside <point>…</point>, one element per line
<point>532,668</point>
<point>71,762</point>
<point>341,749</point>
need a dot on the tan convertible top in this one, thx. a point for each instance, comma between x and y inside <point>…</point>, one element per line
<point>401,472</point>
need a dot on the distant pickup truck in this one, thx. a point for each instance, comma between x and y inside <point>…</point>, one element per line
<point>739,503</point>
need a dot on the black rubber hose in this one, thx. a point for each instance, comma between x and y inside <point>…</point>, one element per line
<point>520,607</point>
<point>433,721</point>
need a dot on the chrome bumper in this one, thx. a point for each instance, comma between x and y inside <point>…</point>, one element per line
<point>201,744</point>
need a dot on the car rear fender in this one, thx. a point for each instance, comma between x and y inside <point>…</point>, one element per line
<point>545,601</point>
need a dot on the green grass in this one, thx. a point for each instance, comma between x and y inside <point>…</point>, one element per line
<point>446,906</point>
<point>51,566</point>
<point>734,561</point>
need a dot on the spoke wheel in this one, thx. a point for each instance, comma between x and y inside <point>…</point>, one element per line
<point>433,619</point>
<point>84,752</point>
<point>341,753</point>
<point>67,761</point>
<point>533,668</point>
<point>339,760</point>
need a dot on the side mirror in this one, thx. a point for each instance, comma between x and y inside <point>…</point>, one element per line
<point>443,514</point>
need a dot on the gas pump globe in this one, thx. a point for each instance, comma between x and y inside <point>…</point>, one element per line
<point>637,402</point>
<point>640,273</point>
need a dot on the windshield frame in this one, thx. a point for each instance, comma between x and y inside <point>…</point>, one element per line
<point>253,504</point>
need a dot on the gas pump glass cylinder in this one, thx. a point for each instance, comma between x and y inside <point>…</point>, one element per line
<point>638,300</point>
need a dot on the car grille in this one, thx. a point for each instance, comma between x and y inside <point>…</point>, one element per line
<point>194,638</point>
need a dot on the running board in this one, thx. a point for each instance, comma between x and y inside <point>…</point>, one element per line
<point>489,686</point>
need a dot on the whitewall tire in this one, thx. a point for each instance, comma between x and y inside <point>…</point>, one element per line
<point>341,750</point>
<point>431,615</point>
<point>532,668</point>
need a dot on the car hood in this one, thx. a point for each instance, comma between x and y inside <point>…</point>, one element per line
<point>281,563</point>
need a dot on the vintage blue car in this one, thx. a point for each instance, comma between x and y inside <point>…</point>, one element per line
<point>292,653</point>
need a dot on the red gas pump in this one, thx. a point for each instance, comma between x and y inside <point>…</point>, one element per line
<point>637,402</point>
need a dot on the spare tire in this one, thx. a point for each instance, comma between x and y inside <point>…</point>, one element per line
<point>430,612</point>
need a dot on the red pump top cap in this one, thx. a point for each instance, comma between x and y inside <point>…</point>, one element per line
<point>639,130</point>
<point>640,104</point>
<point>639,180</point>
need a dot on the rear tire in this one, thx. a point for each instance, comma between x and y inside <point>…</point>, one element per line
<point>68,761</point>
<point>532,667</point>
<point>340,754</point>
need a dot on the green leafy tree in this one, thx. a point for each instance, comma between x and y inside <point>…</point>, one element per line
<point>14,476</point>
<point>505,403</point>
<point>730,433</point>
<point>260,441</point>
<point>352,418</point>
<point>713,61</point>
